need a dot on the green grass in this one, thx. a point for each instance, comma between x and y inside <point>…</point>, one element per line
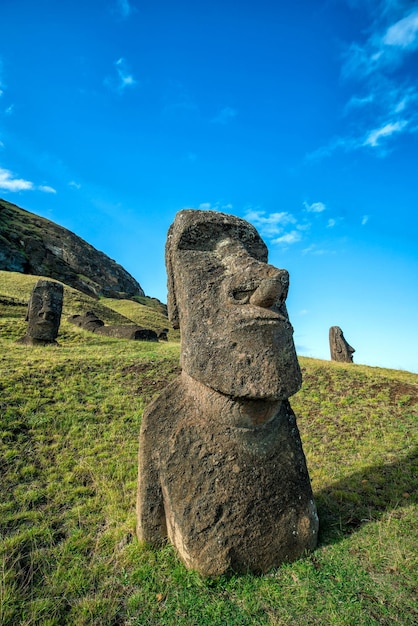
<point>69,426</point>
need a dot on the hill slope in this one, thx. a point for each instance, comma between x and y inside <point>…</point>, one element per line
<point>34,245</point>
<point>69,426</point>
<point>15,290</point>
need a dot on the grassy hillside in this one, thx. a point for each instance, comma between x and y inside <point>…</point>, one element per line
<point>69,426</point>
<point>15,289</point>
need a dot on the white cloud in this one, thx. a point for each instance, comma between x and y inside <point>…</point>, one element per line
<point>269,225</point>
<point>374,137</point>
<point>315,207</point>
<point>46,189</point>
<point>72,183</point>
<point>293,237</point>
<point>123,79</point>
<point>331,223</point>
<point>10,109</point>
<point>10,183</point>
<point>403,33</point>
<point>364,220</point>
<point>205,206</point>
<point>225,115</point>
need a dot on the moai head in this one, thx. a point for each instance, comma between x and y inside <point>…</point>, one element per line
<point>340,349</point>
<point>44,311</point>
<point>230,307</point>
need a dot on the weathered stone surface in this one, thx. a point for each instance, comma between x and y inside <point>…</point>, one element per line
<point>44,313</point>
<point>222,472</point>
<point>163,335</point>
<point>340,349</point>
<point>136,333</point>
<point>89,321</point>
<point>34,245</point>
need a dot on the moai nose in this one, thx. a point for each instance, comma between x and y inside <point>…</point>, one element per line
<point>271,290</point>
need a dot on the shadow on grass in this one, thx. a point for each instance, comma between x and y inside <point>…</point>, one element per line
<point>365,496</point>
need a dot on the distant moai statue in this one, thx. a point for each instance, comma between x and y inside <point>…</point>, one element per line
<point>222,472</point>
<point>340,349</point>
<point>44,313</point>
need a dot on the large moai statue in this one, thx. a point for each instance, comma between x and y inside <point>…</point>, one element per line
<point>44,313</point>
<point>222,472</point>
<point>340,349</point>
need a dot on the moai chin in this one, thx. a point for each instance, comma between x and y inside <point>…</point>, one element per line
<point>339,348</point>
<point>222,472</point>
<point>44,313</point>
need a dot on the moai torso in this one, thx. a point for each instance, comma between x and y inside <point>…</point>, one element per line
<point>222,472</point>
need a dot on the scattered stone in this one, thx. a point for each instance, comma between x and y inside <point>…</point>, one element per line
<point>44,313</point>
<point>222,472</point>
<point>340,349</point>
<point>90,321</point>
<point>137,333</point>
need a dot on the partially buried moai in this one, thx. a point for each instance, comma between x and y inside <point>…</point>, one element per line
<point>339,348</point>
<point>44,313</point>
<point>222,472</point>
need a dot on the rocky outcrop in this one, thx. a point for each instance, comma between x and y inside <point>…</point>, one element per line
<point>34,245</point>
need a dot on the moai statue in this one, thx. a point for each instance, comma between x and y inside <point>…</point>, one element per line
<point>222,472</point>
<point>44,313</point>
<point>340,349</point>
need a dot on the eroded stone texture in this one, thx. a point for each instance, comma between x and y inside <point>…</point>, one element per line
<point>137,333</point>
<point>90,321</point>
<point>340,349</point>
<point>44,313</point>
<point>222,472</point>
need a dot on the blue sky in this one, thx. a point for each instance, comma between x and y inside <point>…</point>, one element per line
<point>301,117</point>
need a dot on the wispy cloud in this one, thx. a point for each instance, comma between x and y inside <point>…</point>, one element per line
<point>315,207</point>
<point>1,79</point>
<point>288,238</point>
<point>217,206</point>
<point>269,225</point>
<point>9,182</point>
<point>364,220</point>
<point>314,249</point>
<point>384,104</point>
<point>124,8</point>
<point>46,189</point>
<point>72,183</point>
<point>225,115</point>
<point>123,78</point>
<point>375,136</point>
<point>404,33</point>
<point>284,228</point>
